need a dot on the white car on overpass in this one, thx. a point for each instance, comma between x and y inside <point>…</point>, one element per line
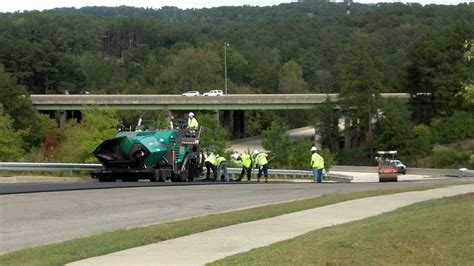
<point>191,93</point>
<point>213,93</point>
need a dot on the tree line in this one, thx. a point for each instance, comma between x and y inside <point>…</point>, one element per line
<point>305,47</point>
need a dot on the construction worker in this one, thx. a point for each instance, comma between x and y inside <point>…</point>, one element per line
<point>193,125</point>
<point>192,121</point>
<point>171,118</point>
<point>261,162</point>
<point>222,168</point>
<point>211,163</point>
<point>246,162</point>
<point>317,165</point>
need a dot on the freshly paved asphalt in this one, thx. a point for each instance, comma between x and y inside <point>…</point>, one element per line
<point>21,188</point>
<point>32,219</point>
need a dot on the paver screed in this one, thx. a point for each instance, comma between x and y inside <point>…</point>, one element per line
<point>205,247</point>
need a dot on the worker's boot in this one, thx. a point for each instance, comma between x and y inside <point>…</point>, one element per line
<point>266,179</point>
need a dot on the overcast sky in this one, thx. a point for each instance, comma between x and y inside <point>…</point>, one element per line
<point>19,5</point>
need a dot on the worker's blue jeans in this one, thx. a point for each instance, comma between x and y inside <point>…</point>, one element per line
<point>262,169</point>
<point>317,175</point>
<point>222,171</point>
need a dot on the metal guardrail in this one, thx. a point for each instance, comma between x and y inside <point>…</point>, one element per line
<point>15,166</point>
<point>297,174</point>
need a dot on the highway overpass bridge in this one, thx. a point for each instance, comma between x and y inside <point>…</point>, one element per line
<point>233,106</point>
<point>232,102</point>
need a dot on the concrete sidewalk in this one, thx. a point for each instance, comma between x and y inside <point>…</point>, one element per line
<point>205,247</point>
<point>358,177</point>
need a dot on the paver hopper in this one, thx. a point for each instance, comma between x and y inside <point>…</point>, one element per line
<point>157,155</point>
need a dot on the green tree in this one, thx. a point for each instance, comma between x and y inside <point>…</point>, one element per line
<point>469,57</point>
<point>329,158</point>
<point>422,141</point>
<point>456,127</point>
<point>41,127</point>
<point>78,140</point>
<point>300,155</point>
<point>327,124</point>
<point>17,105</point>
<point>151,119</point>
<point>103,74</point>
<point>212,135</point>
<point>16,102</point>
<point>361,85</point>
<point>237,67</point>
<point>152,71</point>
<point>191,69</point>
<point>290,78</point>
<point>11,141</point>
<point>278,142</point>
<point>393,128</point>
<point>436,72</point>
<point>263,69</point>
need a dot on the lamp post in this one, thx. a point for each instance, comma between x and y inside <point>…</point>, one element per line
<point>225,66</point>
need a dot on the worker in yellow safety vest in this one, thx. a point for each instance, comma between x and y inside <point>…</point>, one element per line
<point>317,165</point>
<point>222,169</point>
<point>211,163</point>
<point>192,121</point>
<point>246,162</point>
<point>261,162</point>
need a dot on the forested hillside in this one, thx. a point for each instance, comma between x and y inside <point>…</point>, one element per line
<point>297,47</point>
<point>307,47</point>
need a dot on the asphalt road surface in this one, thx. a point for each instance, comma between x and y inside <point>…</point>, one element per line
<point>32,219</point>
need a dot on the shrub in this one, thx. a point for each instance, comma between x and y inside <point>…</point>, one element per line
<point>78,140</point>
<point>444,157</point>
<point>459,126</point>
<point>470,164</point>
<point>421,145</point>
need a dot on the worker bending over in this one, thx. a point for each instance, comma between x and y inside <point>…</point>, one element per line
<point>222,169</point>
<point>218,164</point>
<point>211,163</point>
<point>261,162</point>
<point>246,162</point>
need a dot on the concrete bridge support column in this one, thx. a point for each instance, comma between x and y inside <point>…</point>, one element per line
<point>227,122</point>
<point>238,130</point>
<point>62,118</point>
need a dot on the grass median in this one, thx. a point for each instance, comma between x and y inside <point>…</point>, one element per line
<point>81,248</point>
<point>436,232</point>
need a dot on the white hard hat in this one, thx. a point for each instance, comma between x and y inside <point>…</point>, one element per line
<point>255,152</point>
<point>314,148</point>
<point>235,156</point>
<point>191,114</point>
